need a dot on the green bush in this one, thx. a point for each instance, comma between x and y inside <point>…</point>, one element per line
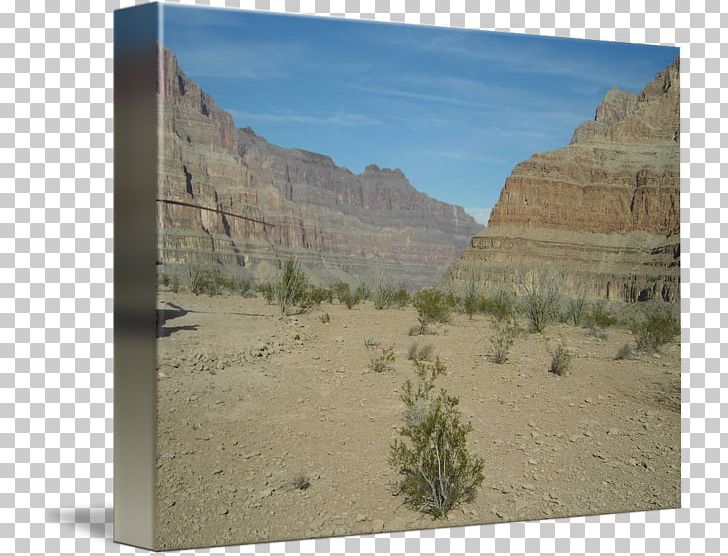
<point>207,281</point>
<point>362,291</point>
<point>501,342</point>
<point>541,301</point>
<point>401,297</point>
<point>290,289</point>
<point>383,360</point>
<point>561,360</point>
<point>654,327</point>
<point>174,284</point>
<point>599,315</point>
<point>267,291</point>
<point>344,295</point>
<point>501,304</point>
<point>316,296</point>
<point>339,289</point>
<point>437,472</point>
<point>471,299</point>
<point>577,305</point>
<point>432,306</point>
<point>383,294</point>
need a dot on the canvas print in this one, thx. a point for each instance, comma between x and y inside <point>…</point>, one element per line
<point>410,277</point>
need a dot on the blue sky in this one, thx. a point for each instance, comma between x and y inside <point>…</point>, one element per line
<point>454,109</point>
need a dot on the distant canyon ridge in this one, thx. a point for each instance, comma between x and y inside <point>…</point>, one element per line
<point>604,210</point>
<point>229,197</point>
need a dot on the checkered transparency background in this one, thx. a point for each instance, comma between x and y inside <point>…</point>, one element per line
<point>56,274</point>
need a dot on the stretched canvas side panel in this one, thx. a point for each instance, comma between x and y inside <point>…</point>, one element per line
<point>135,188</point>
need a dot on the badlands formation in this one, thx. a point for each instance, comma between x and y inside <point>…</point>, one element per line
<point>604,209</point>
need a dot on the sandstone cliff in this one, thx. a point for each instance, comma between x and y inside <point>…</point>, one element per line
<point>230,197</point>
<point>604,208</point>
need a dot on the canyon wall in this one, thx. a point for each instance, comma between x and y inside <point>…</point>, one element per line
<point>229,197</point>
<point>604,209</point>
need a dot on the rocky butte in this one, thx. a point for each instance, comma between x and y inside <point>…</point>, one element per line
<point>604,209</point>
<point>229,197</point>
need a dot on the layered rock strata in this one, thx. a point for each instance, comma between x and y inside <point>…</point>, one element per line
<point>604,209</point>
<point>229,197</point>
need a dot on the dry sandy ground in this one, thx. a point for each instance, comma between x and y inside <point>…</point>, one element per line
<point>248,402</point>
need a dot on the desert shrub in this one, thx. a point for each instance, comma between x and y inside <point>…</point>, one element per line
<point>625,352</point>
<point>401,297</point>
<point>325,318</point>
<point>576,306</point>
<point>600,316</point>
<point>370,342</point>
<point>471,299</point>
<point>598,333</point>
<point>382,360</point>
<point>301,482</point>
<point>316,295</point>
<point>383,294</point>
<point>349,299</point>
<point>432,306</point>
<point>163,279</point>
<point>654,327</point>
<point>541,301</point>
<point>174,284</point>
<point>501,342</point>
<point>267,291</point>
<point>501,304</point>
<point>437,472</point>
<point>363,291</point>
<point>204,280</point>
<point>414,331</point>
<point>240,286</point>
<point>345,295</point>
<point>451,300</point>
<point>560,360</point>
<point>339,289</point>
<point>416,352</point>
<point>290,289</point>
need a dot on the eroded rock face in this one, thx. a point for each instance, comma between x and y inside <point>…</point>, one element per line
<point>604,208</point>
<point>270,203</point>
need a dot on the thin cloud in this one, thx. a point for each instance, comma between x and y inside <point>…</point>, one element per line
<point>418,96</point>
<point>338,119</point>
<point>248,60</point>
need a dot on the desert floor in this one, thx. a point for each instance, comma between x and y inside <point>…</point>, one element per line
<point>248,402</point>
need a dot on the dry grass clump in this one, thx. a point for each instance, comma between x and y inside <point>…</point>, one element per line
<point>501,342</point>
<point>382,360</point>
<point>416,352</point>
<point>383,294</point>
